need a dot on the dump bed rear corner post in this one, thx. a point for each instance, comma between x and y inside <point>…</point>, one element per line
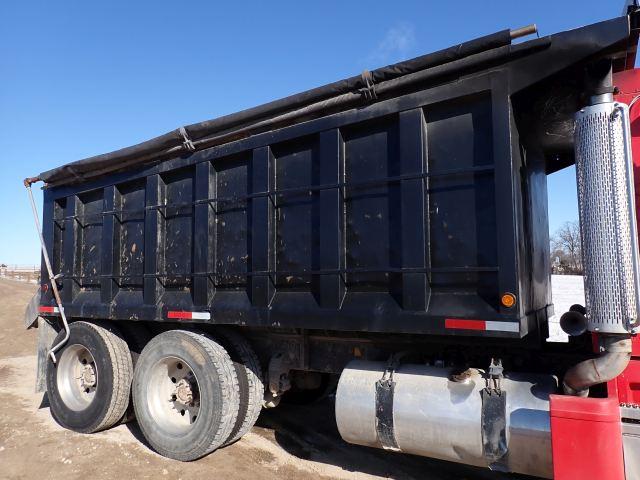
<point>504,188</point>
<point>48,226</point>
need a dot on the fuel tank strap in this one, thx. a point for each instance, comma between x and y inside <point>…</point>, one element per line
<point>494,425</point>
<point>385,388</point>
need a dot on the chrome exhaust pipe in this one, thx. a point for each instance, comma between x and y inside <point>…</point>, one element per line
<point>573,323</point>
<point>611,363</point>
<point>606,203</point>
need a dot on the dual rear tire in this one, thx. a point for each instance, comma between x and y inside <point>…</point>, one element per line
<point>88,386</point>
<point>185,394</point>
<point>191,393</point>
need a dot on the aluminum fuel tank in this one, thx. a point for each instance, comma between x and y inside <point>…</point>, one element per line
<point>435,416</point>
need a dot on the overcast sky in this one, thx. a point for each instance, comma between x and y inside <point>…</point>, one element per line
<point>83,78</point>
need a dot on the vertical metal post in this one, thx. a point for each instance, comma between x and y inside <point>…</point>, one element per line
<point>52,277</point>
<point>623,111</point>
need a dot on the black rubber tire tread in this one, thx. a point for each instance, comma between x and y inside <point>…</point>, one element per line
<point>122,374</point>
<point>250,383</point>
<point>137,335</point>
<point>224,371</point>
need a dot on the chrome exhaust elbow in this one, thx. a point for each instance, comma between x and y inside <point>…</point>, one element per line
<point>610,364</point>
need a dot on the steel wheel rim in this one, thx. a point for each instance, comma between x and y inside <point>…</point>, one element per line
<point>77,377</point>
<point>173,395</point>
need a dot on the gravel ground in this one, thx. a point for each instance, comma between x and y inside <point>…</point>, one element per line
<point>288,443</point>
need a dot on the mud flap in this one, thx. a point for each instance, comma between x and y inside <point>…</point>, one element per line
<point>46,335</point>
<point>32,311</point>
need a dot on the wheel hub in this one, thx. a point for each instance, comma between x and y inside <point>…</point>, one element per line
<point>173,395</point>
<point>77,377</point>
<point>184,392</point>
<point>88,376</point>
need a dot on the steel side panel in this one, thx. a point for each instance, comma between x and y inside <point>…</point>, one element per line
<point>388,218</point>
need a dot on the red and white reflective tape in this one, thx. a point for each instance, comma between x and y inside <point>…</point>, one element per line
<point>484,325</point>
<point>49,310</point>
<point>181,315</point>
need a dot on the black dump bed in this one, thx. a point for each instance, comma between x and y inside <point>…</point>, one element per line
<point>406,200</point>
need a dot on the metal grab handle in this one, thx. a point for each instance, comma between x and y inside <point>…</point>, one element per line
<point>626,129</point>
<point>52,277</point>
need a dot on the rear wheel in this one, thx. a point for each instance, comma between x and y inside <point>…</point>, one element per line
<point>137,335</point>
<point>185,394</point>
<point>88,387</point>
<point>250,385</point>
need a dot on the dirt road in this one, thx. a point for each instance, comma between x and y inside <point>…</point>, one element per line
<point>290,443</point>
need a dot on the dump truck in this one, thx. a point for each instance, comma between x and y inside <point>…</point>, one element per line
<point>383,239</point>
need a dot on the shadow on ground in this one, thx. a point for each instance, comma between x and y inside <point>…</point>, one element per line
<point>310,433</point>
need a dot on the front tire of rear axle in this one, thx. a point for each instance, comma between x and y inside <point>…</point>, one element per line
<point>137,335</point>
<point>185,394</point>
<point>88,387</point>
<point>250,385</point>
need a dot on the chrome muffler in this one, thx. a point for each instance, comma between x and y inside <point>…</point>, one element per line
<point>608,229</point>
<point>606,203</point>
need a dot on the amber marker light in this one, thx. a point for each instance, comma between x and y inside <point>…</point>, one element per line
<point>508,300</point>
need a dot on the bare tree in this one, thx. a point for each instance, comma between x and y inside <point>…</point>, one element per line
<point>566,248</point>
